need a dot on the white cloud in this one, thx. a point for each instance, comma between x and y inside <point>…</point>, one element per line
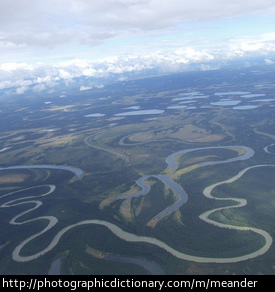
<point>259,45</point>
<point>89,72</point>
<point>85,88</point>
<point>50,24</point>
<point>191,55</point>
<point>140,30</point>
<point>269,62</point>
<point>39,87</point>
<point>21,90</point>
<point>65,74</point>
<point>39,76</point>
<point>9,67</point>
<point>5,84</point>
<point>99,86</point>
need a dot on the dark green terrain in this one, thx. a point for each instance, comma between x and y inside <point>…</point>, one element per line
<point>93,131</point>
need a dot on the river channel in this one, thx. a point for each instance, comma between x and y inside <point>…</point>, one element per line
<point>130,237</point>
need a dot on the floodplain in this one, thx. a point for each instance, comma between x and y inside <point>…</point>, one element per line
<point>85,187</point>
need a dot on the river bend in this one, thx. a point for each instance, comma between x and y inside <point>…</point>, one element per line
<point>130,237</point>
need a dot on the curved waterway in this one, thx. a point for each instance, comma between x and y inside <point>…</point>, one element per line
<point>267,149</point>
<point>130,237</point>
<point>178,190</point>
<point>104,149</point>
<point>248,153</point>
<point>78,172</point>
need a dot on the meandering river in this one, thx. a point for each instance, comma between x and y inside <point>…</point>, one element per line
<point>78,172</point>
<point>248,153</point>
<point>130,237</point>
<point>178,190</point>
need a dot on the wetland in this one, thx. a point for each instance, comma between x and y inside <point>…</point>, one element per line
<point>151,185</point>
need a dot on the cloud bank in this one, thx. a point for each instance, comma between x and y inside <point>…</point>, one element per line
<point>45,43</point>
<point>39,76</point>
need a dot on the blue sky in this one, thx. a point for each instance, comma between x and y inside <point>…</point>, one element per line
<point>43,43</point>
